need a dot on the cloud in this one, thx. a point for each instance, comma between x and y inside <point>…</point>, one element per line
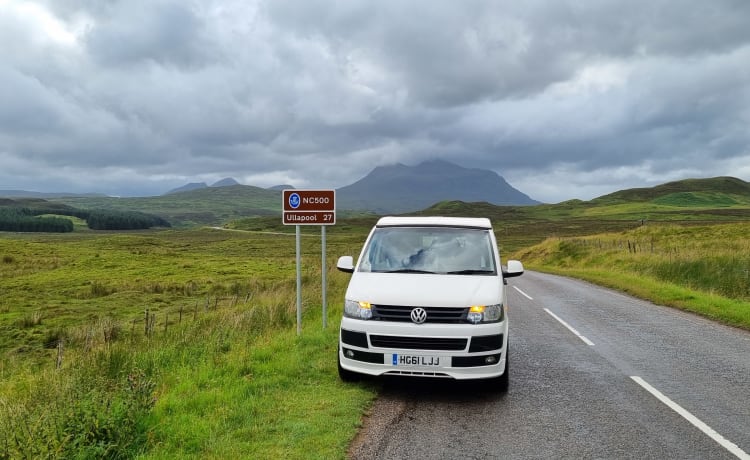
<point>567,98</point>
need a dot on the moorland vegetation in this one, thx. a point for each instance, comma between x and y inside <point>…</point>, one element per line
<point>181,343</point>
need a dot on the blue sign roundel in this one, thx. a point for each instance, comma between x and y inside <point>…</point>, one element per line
<point>294,200</point>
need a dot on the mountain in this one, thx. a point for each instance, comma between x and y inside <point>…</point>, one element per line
<point>399,188</point>
<point>188,187</point>
<point>281,187</point>
<point>226,182</point>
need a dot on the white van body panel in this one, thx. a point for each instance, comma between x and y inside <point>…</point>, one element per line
<point>421,290</point>
<point>445,288</point>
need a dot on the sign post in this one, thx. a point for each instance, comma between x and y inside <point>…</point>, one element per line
<point>309,207</point>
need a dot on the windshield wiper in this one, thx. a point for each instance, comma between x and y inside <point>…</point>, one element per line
<point>471,272</point>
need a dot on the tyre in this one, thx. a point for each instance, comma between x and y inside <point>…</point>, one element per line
<point>501,383</point>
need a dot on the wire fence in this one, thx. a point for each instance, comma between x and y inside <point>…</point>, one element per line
<point>147,325</point>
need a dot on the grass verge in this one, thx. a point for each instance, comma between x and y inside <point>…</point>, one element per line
<point>702,269</point>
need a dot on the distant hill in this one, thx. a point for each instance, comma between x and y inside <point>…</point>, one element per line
<point>447,189</point>
<point>36,204</point>
<point>188,187</point>
<point>226,182</point>
<point>719,198</point>
<point>29,194</point>
<point>282,187</point>
<point>716,191</point>
<point>201,206</point>
<point>399,188</point>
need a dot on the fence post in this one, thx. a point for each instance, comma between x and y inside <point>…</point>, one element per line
<point>145,323</point>
<point>60,346</point>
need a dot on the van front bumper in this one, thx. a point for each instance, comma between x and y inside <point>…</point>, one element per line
<point>426,350</point>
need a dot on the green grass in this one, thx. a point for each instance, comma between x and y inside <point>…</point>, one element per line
<point>229,378</point>
<point>276,396</point>
<point>703,269</point>
<point>217,388</point>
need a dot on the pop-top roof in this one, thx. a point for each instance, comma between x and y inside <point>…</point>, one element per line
<point>475,222</point>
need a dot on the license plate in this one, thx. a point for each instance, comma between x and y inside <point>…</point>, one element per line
<point>414,360</point>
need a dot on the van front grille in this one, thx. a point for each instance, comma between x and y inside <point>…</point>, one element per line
<point>434,314</point>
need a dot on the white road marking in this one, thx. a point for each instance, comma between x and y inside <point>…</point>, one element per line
<point>570,328</point>
<point>724,442</point>
<point>523,293</point>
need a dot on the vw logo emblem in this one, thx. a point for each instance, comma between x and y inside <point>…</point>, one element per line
<point>418,315</point>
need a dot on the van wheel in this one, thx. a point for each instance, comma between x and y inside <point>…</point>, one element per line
<point>504,380</point>
<point>345,375</point>
<point>501,383</point>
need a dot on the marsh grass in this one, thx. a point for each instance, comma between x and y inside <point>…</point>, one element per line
<point>221,373</point>
<point>31,319</point>
<point>704,269</point>
<point>234,383</point>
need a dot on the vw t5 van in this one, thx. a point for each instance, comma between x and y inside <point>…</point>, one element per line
<point>427,298</point>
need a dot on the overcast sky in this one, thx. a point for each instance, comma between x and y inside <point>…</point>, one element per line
<point>564,99</point>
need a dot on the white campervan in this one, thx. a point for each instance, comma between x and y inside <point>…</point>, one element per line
<point>427,298</point>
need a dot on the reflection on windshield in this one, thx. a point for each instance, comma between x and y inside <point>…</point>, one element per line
<point>429,250</point>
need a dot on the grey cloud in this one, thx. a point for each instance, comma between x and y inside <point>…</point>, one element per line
<point>165,32</point>
<point>596,93</point>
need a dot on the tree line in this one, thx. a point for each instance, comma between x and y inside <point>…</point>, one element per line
<point>123,220</point>
<point>22,219</point>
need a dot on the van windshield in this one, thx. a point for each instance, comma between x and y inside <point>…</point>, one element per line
<point>444,250</point>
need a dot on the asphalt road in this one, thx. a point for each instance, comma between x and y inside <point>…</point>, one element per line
<point>622,378</point>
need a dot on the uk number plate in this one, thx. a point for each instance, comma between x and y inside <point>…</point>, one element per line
<point>414,360</point>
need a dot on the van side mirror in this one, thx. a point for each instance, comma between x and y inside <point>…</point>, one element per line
<point>345,264</point>
<point>514,268</point>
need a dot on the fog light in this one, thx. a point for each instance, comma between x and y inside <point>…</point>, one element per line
<point>349,353</point>
<point>490,360</point>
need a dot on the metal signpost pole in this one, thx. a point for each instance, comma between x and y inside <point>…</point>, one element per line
<point>299,284</point>
<point>323,270</point>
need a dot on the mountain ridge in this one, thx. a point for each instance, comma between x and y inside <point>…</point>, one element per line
<point>399,188</point>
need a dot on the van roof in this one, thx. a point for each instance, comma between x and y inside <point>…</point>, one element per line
<point>435,221</point>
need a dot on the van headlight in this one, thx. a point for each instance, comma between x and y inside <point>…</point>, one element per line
<point>485,313</point>
<point>357,309</point>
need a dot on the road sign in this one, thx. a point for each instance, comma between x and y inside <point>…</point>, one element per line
<point>309,207</point>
